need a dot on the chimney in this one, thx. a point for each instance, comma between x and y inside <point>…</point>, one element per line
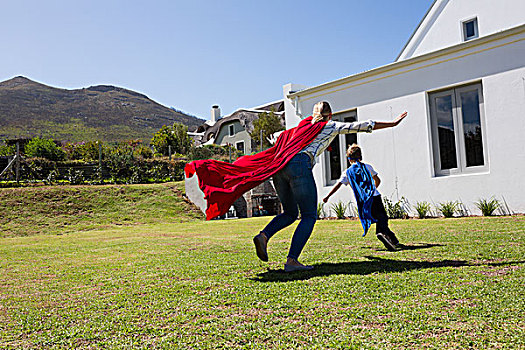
<point>215,113</point>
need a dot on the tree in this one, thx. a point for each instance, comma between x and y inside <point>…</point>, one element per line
<point>175,136</point>
<point>269,123</point>
<point>44,148</point>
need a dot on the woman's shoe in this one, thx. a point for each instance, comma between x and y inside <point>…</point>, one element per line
<point>261,242</point>
<point>295,266</point>
<point>292,268</point>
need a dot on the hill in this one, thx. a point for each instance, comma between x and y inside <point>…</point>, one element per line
<point>102,112</point>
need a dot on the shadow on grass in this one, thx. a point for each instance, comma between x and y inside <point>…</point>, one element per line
<point>417,246</point>
<point>373,265</point>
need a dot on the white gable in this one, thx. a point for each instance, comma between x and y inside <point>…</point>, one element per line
<point>442,26</point>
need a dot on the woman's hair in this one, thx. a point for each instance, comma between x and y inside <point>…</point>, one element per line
<point>322,111</point>
<point>354,152</point>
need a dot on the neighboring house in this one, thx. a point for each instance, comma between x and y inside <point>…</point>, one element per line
<point>235,128</point>
<point>461,77</point>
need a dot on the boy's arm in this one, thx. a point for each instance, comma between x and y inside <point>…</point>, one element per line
<point>336,187</point>
<point>377,180</point>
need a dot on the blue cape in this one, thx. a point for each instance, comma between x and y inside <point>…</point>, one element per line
<point>364,187</point>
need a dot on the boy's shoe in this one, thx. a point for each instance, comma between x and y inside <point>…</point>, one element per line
<point>261,242</point>
<point>400,246</point>
<point>386,242</point>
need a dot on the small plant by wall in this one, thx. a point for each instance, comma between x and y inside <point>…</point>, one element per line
<point>339,209</point>
<point>488,207</point>
<point>448,209</point>
<point>396,210</point>
<point>423,209</point>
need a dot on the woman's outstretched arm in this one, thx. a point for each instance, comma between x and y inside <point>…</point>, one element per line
<point>395,122</point>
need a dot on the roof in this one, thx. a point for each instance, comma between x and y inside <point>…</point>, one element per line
<point>410,62</point>
<point>417,28</point>
<point>244,116</point>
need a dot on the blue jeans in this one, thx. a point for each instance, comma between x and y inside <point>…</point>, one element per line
<point>295,186</point>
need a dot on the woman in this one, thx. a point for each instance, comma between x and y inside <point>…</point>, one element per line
<point>295,184</point>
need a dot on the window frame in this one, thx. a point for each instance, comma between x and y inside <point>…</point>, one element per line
<point>243,146</point>
<point>343,162</point>
<point>464,29</point>
<point>231,130</point>
<point>457,119</point>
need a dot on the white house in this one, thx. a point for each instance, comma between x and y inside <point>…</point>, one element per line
<point>461,77</point>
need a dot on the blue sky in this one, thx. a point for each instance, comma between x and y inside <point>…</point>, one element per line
<point>195,53</point>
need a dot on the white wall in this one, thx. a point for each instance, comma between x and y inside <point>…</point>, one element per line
<point>403,156</point>
<point>240,135</point>
<point>442,26</point>
<point>291,114</point>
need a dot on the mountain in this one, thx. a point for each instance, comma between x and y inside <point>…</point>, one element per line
<point>101,112</point>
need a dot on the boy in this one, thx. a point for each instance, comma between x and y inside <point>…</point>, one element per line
<point>364,181</point>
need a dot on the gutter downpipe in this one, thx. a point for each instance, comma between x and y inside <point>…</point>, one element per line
<point>297,107</point>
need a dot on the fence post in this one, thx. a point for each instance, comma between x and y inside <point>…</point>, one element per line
<point>260,138</point>
<point>99,154</point>
<point>17,161</point>
<point>169,151</point>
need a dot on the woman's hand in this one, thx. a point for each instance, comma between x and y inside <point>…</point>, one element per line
<point>400,118</point>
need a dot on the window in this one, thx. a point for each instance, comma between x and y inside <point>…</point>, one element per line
<point>335,155</point>
<point>457,130</point>
<point>470,29</point>
<point>240,146</point>
<point>231,130</point>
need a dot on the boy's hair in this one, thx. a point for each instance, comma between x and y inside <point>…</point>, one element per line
<point>354,152</point>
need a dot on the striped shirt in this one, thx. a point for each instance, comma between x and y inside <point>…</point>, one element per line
<point>330,131</point>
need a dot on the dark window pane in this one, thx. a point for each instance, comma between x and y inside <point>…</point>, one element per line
<point>240,146</point>
<point>350,139</point>
<point>334,156</point>
<point>472,128</point>
<point>447,142</point>
<point>469,28</point>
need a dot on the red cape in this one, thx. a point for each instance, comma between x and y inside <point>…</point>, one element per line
<point>222,182</point>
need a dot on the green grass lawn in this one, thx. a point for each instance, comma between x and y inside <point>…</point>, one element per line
<point>62,209</point>
<point>198,285</point>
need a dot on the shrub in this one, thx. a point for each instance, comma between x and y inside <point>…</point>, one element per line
<point>6,150</point>
<point>214,152</point>
<point>75,177</point>
<point>176,136</point>
<point>38,168</point>
<point>339,209</point>
<point>119,161</point>
<point>423,209</point>
<point>397,210</point>
<point>448,209</point>
<point>488,207</point>
<point>143,151</point>
<point>87,151</point>
<point>44,148</point>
